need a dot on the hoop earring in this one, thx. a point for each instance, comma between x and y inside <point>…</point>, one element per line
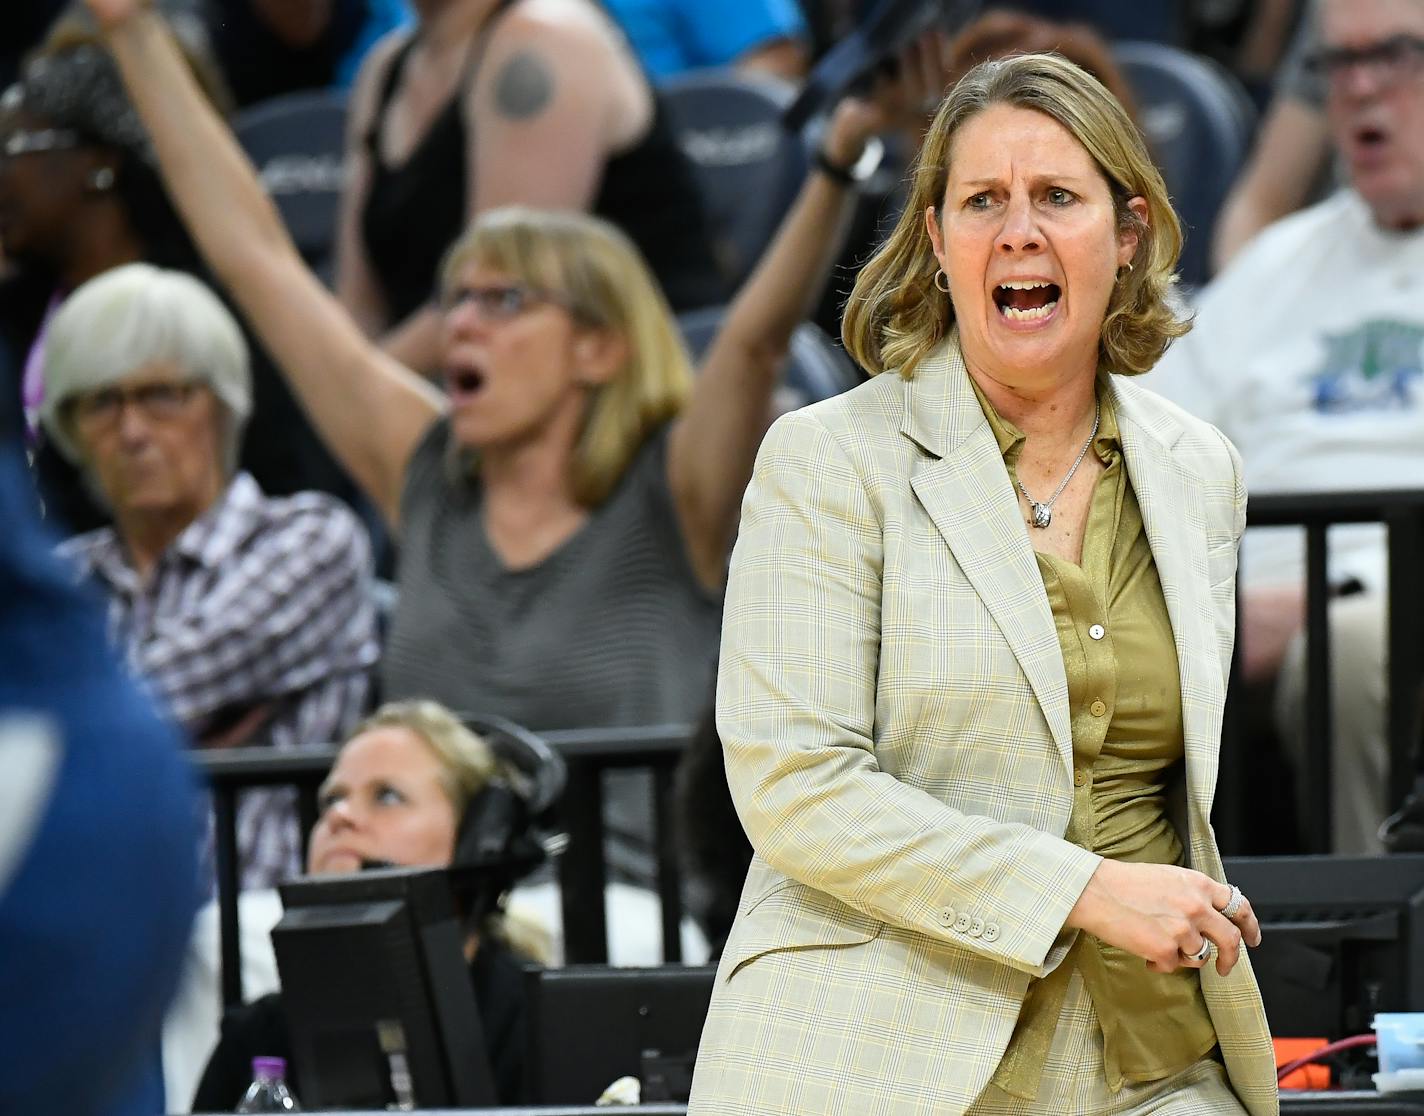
<point>938,275</point>
<point>1126,269</point>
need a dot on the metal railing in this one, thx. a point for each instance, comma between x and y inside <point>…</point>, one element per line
<point>1401,513</point>
<point>583,873</point>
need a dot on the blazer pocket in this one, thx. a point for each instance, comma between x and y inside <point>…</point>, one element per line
<point>795,916</point>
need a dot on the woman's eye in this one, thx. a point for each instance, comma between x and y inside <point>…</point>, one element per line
<point>1059,196</point>
<point>978,201</point>
<point>327,801</point>
<point>388,796</point>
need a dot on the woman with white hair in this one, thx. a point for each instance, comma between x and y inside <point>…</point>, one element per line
<point>247,616</point>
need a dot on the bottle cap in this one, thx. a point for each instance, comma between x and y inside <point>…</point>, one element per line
<point>269,1068</point>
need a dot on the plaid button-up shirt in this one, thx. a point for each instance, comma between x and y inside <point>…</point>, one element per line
<point>258,604</point>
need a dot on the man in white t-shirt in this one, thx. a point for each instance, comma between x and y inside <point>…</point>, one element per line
<point>1308,352</point>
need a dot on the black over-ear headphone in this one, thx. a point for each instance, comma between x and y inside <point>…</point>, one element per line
<point>506,830</point>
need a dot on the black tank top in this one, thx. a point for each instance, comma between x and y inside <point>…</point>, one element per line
<point>414,211</point>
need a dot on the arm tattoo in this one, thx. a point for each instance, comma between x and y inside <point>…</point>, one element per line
<point>524,87</point>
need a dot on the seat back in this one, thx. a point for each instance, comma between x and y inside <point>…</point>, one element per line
<point>1199,122</point>
<point>816,368</point>
<point>297,143</point>
<point>747,166</point>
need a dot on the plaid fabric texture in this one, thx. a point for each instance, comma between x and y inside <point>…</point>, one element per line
<point>258,603</point>
<point>895,714</point>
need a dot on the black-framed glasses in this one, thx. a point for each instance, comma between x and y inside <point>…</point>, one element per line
<point>1389,61</point>
<point>28,141</point>
<point>162,402</point>
<point>503,302</point>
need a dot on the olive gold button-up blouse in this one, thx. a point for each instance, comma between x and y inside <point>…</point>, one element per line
<point>1125,698</point>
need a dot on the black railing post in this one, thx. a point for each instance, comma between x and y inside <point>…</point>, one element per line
<point>1404,653</point>
<point>669,872</point>
<point>225,856</point>
<point>1319,727</point>
<point>583,874</point>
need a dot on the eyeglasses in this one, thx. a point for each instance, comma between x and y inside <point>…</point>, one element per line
<point>27,141</point>
<point>161,402</point>
<point>1388,61</point>
<point>503,302</point>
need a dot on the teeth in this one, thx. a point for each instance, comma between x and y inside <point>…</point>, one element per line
<point>1025,284</point>
<point>1033,315</point>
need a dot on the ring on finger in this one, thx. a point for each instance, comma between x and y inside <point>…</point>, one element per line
<point>1201,954</point>
<point>1233,905</point>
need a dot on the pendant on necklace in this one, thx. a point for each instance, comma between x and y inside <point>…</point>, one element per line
<point>1042,514</point>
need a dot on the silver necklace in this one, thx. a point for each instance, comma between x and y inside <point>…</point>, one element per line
<point>1043,513</point>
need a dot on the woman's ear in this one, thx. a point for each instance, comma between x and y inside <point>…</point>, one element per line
<point>936,234</point>
<point>600,353</point>
<point>1128,238</point>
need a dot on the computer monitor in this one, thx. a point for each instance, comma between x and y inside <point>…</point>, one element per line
<point>1342,939</point>
<point>592,1024</point>
<point>377,993</point>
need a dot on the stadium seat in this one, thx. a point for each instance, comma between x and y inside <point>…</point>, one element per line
<point>297,142</point>
<point>1199,122</point>
<point>748,166</point>
<point>817,368</point>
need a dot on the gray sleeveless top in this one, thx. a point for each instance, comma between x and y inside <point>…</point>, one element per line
<point>611,629</point>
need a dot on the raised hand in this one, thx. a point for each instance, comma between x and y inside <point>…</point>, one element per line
<point>897,102</point>
<point>1163,914</point>
<point>111,13</point>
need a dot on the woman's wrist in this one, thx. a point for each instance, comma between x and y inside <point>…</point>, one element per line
<point>140,12</point>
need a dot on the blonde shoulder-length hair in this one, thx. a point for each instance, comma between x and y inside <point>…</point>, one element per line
<point>896,314</point>
<point>594,270</point>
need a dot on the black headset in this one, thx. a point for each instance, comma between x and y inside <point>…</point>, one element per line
<point>507,830</point>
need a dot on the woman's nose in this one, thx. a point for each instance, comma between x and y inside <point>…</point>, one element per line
<point>1020,232</point>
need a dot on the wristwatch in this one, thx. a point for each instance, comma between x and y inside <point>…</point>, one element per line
<point>866,165</point>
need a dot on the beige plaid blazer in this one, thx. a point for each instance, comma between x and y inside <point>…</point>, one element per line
<point>895,714</point>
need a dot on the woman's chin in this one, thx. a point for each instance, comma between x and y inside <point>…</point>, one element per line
<point>337,864</point>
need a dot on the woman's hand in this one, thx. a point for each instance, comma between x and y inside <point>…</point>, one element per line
<point>111,13</point>
<point>894,103</point>
<point>1163,913</point>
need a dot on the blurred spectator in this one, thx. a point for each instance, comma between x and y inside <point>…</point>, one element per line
<point>397,795</point>
<point>1308,353</point>
<point>672,37</point>
<point>96,841</point>
<point>270,47</point>
<point>566,509</point>
<point>247,617</point>
<point>78,195</point>
<point>997,34</point>
<point>487,103</point>
<point>1290,162</point>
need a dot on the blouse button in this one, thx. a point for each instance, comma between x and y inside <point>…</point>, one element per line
<point>1097,709</point>
<point>1097,631</point>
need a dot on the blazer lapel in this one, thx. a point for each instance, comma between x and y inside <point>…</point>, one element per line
<point>1172,516</point>
<point>966,491</point>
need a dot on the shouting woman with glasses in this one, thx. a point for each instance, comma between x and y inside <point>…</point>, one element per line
<point>564,508</point>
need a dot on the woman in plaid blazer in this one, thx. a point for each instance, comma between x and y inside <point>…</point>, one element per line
<point>901,732</point>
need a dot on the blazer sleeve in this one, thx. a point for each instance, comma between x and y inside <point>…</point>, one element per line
<point>796,711</point>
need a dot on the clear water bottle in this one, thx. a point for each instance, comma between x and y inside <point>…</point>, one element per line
<point>268,1091</point>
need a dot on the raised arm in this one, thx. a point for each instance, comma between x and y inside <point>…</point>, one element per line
<point>370,410</point>
<point>714,441</point>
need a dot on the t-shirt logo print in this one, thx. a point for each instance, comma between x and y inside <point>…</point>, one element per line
<point>1374,367</point>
